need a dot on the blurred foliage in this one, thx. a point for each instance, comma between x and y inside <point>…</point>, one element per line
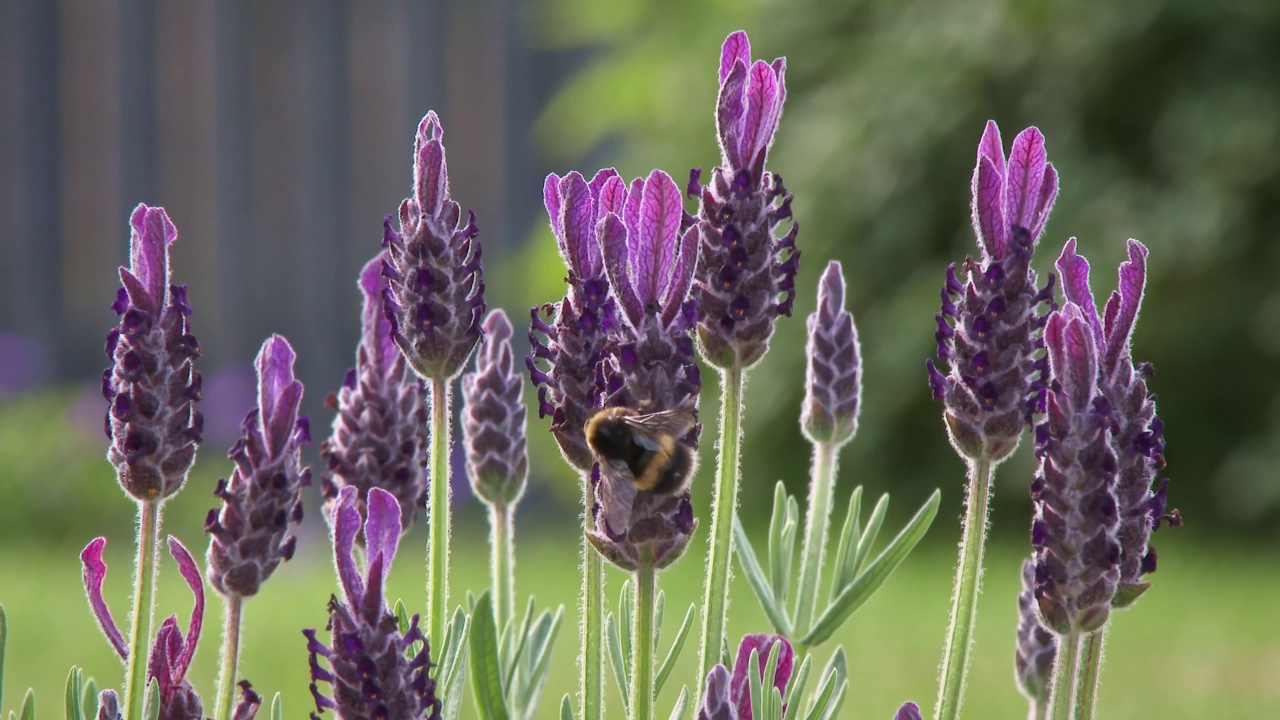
<point>1160,115</point>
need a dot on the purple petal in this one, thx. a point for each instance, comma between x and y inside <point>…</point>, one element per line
<point>375,327</point>
<point>908,711</point>
<point>1074,270</point>
<point>279,394</point>
<point>149,252</point>
<point>95,573</point>
<point>597,184</point>
<point>653,258</point>
<point>430,174</point>
<point>191,573</point>
<point>716,703</point>
<point>681,275</point>
<point>1048,193</point>
<point>762,97</point>
<point>613,242</point>
<point>345,521</point>
<point>382,529</point>
<point>831,290</point>
<point>1133,280</point>
<point>729,112</point>
<point>578,221</point>
<point>736,47</point>
<point>988,209</point>
<point>1079,374</point>
<point>1027,161</point>
<point>164,653</point>
<point>551,199</point>
<point>631,212</point>
<point>613,194</point>
<point>991,148</point>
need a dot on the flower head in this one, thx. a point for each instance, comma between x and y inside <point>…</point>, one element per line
<point>746,275</point>
<point>435,297</point>
<point>1138,432</point>
<point>729,698</point>
<point>833,382</point>
<point>369,671</point>
<point>1036,648</point>
<point>262,500</point>
<point>908,711</point>
<point>988,329</point>
<point>493,419</point>
<point>151,385</point>
<point>109,706</point>
<point>378,437</point>
<point>1073,535</point>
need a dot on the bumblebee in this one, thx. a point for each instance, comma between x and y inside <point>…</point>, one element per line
<point>643,451</point>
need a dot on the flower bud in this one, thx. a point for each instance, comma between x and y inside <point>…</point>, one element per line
<point>493,418</point>
<point>833,380</point>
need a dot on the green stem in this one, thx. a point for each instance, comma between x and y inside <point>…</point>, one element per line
<point>1089,673</point>
<point>144,605</point>
<point>438,512</point>
<point>1064,674</point>
<point>591,652</point>
<point>642,645</point>
<point>230,657</point>
<point>964,600</point>
<point>501,523</point>
<point>817,520</point>
<point>715,598</point>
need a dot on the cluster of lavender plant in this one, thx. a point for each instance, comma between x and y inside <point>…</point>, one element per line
<point>651,289</point>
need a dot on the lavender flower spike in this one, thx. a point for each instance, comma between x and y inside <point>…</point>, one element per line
<point>746,275</point>
<point>729,698</point>
<point>1073,535</point>
<point>1139,433</point>
<point>833,381</point>
<point>436,295</point>
<point>262,499</point>
<point>988,327</point>
<point>493,420</point>
<point>151,385</point>
<point>1036,647</point>
<point>369,670</point>
<point>908,711</point>
<point>378,437</point>
<point>568,339</point>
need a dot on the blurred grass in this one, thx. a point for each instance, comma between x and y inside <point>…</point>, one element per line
<point>1202,644</point>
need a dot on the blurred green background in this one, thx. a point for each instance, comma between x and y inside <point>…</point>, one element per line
<point>278,134</point>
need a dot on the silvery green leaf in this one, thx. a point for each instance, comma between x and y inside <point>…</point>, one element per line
<point>867,582</point>
<point>89,700</point>
<point>566,708</point>
<point>779,561</point>
<point>869,535</point>
<point>484,663</point>
<point>846,550</point>
<point>795,688</point>
<point>277,707</point>
<point>659,608</point>
<point>759,584</point>
<point>817,705</point>
<point>453,664</point>
<point>617,657</point>
<point>151,701</point>
<point>669,662</point>
<point>788,550</point>
<point>74,693</point>
<point>753,678</point>
<point>682,704</point>
<point>832,710</point>
<point>542,640</point>
<point>512,657</point>
<point>771,703</point>
<point>626,609</point>
<point>28,711</point>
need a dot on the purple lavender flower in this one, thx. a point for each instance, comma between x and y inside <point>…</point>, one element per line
<point>570,341</point>
<point>908,711</point>
<point>248,536</point>
<point>378,437</point>
<point>729,698</point>
<point>493,420</point>
<point>746,275</point>
<point>247,706</point>
<point>171,654</point>
<point>369,671</point>
<point>988,328</point>
<point>1036,648</point>
<point>833,381</point>
<point>1138,432</point>
<point>109,706</point>
<point>435,297</point>
<point>1076,552</point>
<point>151,385</point>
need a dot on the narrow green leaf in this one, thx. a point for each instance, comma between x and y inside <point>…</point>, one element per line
<point>659,609</point>
<point>869,535</point>
<point>626,609</point>
<point>277,707</point>
<point>837,667</point>
<point>788,550</point>
<point>795,688</point>
<point>753,679</point>
<point>453,663</point>
<point>75,688</point>
<point>511,659</point>
<point>4,640</point>
<point>471,602</point>
<point>618,657</point>
<point>484,664</point>
<point>151,701</point>
<point>566,708</point>
<point>28,705</point>
<point>669,662</point>
<point>852,597</point>
<point>544,639</point>
<point>832,710</point>
<point>90,698</point>
<point>682,704</point>
<point>779,563</point>
<point>759,584</point>
<point>819,702</point>
<point>843,570</point>
<point>771,703</point>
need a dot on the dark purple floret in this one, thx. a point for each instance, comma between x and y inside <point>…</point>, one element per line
<point>908,711</point>
<point>833,381</point>
<point>988,329</point>
<point>109,706</point>
<point>746,276</point>
<point>1139,433</point>
<point>493,418</point>
<point>247,706</point>
<point>716,703</point>
<point>151,386</point>
<point>1073,534</point>
<point>567,339</point>
<point>436,286</point>
<point>370,672</point>
<point>378,437</point>
<point>249,535</point>
<point>729,698</point>
<point>1036,647</point>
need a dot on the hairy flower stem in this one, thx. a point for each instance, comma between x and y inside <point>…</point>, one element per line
<point>591,654</point>
<point>817,520</point>
<point>715,599</point>
<point>1089,673</point>
<point>964,599</point>
<point>642,645</point>
<point>1064,674</point>
<point>438,512</point>
<point>230,658</point>
<point>502,525</point>
<point>144,606</point>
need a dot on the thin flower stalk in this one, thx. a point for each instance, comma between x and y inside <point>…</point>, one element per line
<point>642,634</point>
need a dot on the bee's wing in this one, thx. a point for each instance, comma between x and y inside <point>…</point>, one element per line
<point>617,492</point>
<point>667,422</point>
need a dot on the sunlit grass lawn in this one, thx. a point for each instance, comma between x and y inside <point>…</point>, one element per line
<point>1204,644</point>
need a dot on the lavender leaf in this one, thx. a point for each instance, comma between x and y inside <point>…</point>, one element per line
<point>846,567</point>
<point>759,583</point>
<point>485,664</point>
<point>673,653</point>
<point>617,659</point>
